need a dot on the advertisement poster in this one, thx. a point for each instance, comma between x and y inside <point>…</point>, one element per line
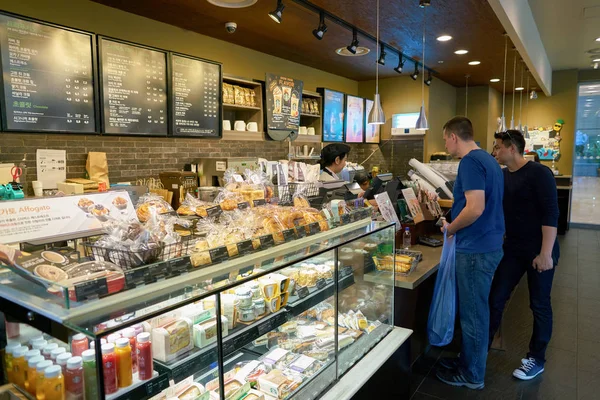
<point>284,99</point>
<point>333,116</point>
<point>413,205</point>
<point>543,142</point>
<point>355,119</point>
<point>371,130</point>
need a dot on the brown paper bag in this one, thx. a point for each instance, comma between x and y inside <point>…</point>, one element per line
<point>97,167</point>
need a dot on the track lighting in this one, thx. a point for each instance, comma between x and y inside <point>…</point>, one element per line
<point>381,60</point>
<point>276,14</point>
<point>424,3</point>
<point>320,31</point>
<point>354,45</point>
<point>398,69</point>
<point>415,74</point>
<point>429,79</point>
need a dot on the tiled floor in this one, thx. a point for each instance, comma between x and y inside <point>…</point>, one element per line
<point>585,206</point>
<point>573,358</point>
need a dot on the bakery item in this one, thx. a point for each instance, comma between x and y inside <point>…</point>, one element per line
<point>301,202</point>
<point>143,211</point>
<point>307,277</point>
<point>50,272</point>
<point>228,205</point>
<point>185,210</point>
<point>172,339</point>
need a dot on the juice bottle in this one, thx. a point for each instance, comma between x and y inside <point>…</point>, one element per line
<point>74,378</point>
<point>28,356</point>
<point>8,357</point>
<point>35,339</point>
<point>89,374</point>
<point>56,352</point>
<point>54,383</point>
<point>32,353</point>
<point>109,368</point>
<point>79,344</point>
<point>93,344</point>
<point>48,349</point>
<point>19,365</point>
<point>112,338</point>
<point>144,356</point>
<point>39,344</point>
<point>62,361</point>
<point>39,378</point>
<point>31,373</point>
<point>124,363</point>
<point>129,333</point>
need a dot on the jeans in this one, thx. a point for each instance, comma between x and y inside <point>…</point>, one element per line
<point>509,273</point>
<point>474,274</point>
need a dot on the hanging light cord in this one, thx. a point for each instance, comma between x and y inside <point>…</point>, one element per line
<point>467,97</point>
<point>376,63</point>
<point>521,100</point>
<point>505,58</point>
<point>423,77</point>
<point>527,104</point>
<point>514,82</point>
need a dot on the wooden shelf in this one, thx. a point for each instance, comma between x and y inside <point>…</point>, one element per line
<point>244,135</point>
<point>308,139</point>
<point>240,81</point>
<point>310,115</point>
<point>239,107</point>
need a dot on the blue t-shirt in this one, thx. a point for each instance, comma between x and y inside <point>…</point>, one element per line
<point>479,171</point>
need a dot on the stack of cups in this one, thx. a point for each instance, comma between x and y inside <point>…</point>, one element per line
<point>37,188</point>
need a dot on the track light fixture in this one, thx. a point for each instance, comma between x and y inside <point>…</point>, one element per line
<point>415,74</point>
<point>354,45</point>
<point>276,14</point>
<point>381,60</point>
<point>400,66</point>
<point>424,3</point>
<point>429,79</point>
<point>320,31</point>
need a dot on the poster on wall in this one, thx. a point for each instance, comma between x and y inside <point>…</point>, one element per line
<point>545,142</point>
<point>333,115</point>
<point>355,119</point>
<point>371,130</point>
<point>284,97</point>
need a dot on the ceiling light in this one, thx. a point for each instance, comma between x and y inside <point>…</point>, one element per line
<point>381,60</point>
<point>422,124</point>
<point>429,79</point>
<point>400,66</point>
<point>440,62</point>
<point>354,45</point>
<point>377,116</point>
<point>596,60</point>
<point>518,89</point>
<point>232,3</point>
<point>598,39</point>
<point>474,62</point>
<point>494,80</point>
<point>415,74</point>
<point>461,52</point>
<point>276,14</point>
<point>320,31</point>
<point>360,51</point>
<point>424,3</point>
<point>444,38</point>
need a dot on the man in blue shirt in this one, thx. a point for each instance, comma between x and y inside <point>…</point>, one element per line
<point>478,223</point>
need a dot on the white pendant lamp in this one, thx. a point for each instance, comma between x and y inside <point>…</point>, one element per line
<point>520,127</point>
<point>503,119</point>
<point>422,124</point>
<point>525,127</point>
<point>512,117</point>
<point>377,117</point>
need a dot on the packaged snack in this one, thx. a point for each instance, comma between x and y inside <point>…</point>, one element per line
<point>148,202</point>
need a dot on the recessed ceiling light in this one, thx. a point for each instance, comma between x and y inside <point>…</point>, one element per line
<point>495,80</point>
<point>440,62</point>
<point>474,62</point>
<point>518,89</point>
<point>232,3</point>
<point>461,52</point>
<point>598,39</point>
<point>444,38</point>
<point>360,51</point>
<point>596,60</point>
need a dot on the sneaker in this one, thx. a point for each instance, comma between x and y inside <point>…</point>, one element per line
<point>450,363</point>
<point>529,370</point>
<point>457,379</point>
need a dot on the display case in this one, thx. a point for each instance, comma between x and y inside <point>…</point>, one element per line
<point>284,322</point>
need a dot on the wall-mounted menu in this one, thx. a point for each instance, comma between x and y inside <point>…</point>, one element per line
<point>48,77</point>
<point>284,97</point>
<point>333,115</point>
<point>355,119</point>
<point>196,92</point>
<point>134,88</point>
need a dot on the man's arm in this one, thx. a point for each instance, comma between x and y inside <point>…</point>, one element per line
<point>473,210</point>
<point>548,203</point>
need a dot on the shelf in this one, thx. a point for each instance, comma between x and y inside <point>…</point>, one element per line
<point>244,135</point>
<point>142,389</point>
<point>308,139</point>
<point>239,107</point>
<point>240,81</point>
<point>306,158</point>
<point>310,115</point>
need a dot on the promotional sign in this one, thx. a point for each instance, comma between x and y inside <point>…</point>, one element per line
<point>48,77</point>
<point>37,219</point>
<point>388,212</point>
<point>284,97</point>
<point>333,116</point>
<point>355,119</point>
<point>371,130</point>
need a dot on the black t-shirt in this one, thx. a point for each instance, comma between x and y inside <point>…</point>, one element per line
<point>530,202</point>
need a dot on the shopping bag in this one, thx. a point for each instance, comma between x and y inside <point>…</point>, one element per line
<point>97,167</point>
<point>440,324</point>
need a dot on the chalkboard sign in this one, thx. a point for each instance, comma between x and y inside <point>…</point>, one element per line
<point>284,98</point>
<point>48,77</point>
<point>196,97</point>
<point>134,88</point>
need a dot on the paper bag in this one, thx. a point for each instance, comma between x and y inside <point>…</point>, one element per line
<point>97,167</point>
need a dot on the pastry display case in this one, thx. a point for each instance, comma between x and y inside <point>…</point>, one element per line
<point>284,322</point>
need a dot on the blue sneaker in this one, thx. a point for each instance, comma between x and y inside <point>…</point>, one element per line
<point>455,378</point>
<point>529,370</point>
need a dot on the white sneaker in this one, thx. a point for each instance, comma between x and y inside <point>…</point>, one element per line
<point>529,370</point>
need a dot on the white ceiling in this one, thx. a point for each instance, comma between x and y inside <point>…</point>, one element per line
<point>568,29</point>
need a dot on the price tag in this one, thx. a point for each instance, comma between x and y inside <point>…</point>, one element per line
<point>214,212</point>
<point>246,270</point>
<point>259,202</point>
<point>274,200</point>
<point>243,206</point>
<point>345,219</point>
<point>238,178</point>
<point>158,271</point>
<point>256,179</point>
<point>95,288</point>
<point>314,228</point>
<point>354,216</point>
<point>302,291</point>
<point>245,247</point>
<point>220,278</point>
<point>321,283</point>
<point>157,385</point>
<point>289,235</point>
<point>267,241</point>
<point>267,263</point>
<point>180,266</point>
<point>301,231</point>
<point>218,254</point>
<point>135,277</point>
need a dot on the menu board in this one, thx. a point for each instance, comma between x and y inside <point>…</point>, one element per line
<point>371,130</point>
<point>333,116</point>
<point>134,88</point>
<point>48,77</point>
<point>196,93</point>
<point>284,97</point>
<point>355,119</point>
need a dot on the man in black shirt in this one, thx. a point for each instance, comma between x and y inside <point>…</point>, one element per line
<point>530,246</point>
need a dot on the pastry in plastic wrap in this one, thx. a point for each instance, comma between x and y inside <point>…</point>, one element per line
<point>172,339</point>
<point>185,210</point>
<point>151,201</point>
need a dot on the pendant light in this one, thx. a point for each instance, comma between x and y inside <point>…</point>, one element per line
<point>520,127</point>
<point>467,95</point>
<point>526,127</point>
<point>377,116</point>
<point>512,117</point>
<point>503,119</point>
<point>422,124</point>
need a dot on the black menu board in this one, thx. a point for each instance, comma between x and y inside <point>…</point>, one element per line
<point>284,97</point>
<point>196,97</point>
<point>134,88</point>
<point>48,77</point>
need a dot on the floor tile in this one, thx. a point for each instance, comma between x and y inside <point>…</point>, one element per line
<point>423,396</point>
<point>588,356</point>
<point>561,366</point>
<point>588,307</point>
<point>547,389</point>
<point>564,336</point>
<point>588,385</point>
<point>589,292</point>
<point>588,328</point>
<point>564,295</point>
<point>562,279</point>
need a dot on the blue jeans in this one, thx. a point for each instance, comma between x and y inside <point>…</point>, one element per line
<point>474,274</point>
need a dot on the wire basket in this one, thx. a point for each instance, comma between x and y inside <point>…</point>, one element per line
<point>388,263</point>
<point>308,189</point>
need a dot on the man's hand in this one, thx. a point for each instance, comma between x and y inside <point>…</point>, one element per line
<point>445,229</point>
<point>543,262</point>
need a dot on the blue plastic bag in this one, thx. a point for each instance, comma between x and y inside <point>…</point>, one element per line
<point>442,313</point>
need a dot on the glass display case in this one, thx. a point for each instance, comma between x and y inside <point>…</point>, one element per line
<point>285,322</point>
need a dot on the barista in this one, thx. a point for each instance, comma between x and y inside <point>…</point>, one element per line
<point>333,161</point>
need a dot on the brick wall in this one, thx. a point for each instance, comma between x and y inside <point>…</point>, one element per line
<point>130,158</point>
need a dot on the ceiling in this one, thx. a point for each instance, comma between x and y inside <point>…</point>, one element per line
<point>568,30</point>
<point>472,24</point>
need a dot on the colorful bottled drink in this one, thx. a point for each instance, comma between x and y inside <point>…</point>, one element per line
<point>8,357</point>
<point>39,344</point>
<point>89,374</point>
<point>109,368</point>
<point>54,383</point>
<point>144,356</point>
<point>57,352</point>
<point>79,344</point>
<point>39,378</point>
<point>124,363</point>
<point>19,365</point>
<point>74,378</point>
<point>129,333</point>
<point>31,373</point>
<point>62,361</point>
<point>48,349</point>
